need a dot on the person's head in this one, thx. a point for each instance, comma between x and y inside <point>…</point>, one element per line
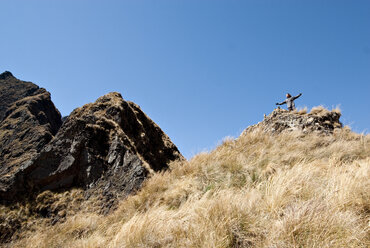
<point>288,95</point>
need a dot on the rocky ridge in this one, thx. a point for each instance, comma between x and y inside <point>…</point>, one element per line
<point>29,121</point>
<point>12,90</point>
<point>105,149</point>
<point>109,146</point>
<point>319,120</point>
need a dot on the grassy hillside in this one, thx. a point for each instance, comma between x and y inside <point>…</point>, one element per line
<point>260,190</point>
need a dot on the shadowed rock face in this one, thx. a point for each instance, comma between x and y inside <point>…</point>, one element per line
<point>107,147</point>
<point>29,121</point>
<point>319,120</point>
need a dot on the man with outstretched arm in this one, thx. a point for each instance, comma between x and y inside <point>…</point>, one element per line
<point>289,101</point>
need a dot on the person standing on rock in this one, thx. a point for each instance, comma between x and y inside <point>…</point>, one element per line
<point>289,101</point>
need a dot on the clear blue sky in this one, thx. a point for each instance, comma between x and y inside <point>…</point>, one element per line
<point>202,70</point>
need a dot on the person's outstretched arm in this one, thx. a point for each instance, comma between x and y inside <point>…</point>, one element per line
<point>295,97</point>
<point>281,103</point>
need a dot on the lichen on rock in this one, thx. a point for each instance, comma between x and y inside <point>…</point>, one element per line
<point>318,120</point>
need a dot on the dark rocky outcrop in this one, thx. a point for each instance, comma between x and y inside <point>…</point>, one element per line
<point>29,122</point>
<point>12,90</point>
<point>105,150</point>
<point>108,147</point>
<point>318,120</point>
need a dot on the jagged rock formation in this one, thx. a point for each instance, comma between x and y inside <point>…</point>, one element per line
<point>108,146</point>
<point>28,121</point>
<point>318,120</point>
<point>12,90</point>
<point>106,149</point>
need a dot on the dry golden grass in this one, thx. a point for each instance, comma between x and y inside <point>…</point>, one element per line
<point>321,110</point>
<point>288,190</point>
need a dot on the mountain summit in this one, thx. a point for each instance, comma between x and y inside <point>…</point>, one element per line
<point>319,120</point>
<point>110,177</point>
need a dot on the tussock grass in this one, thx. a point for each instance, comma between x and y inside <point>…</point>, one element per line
<point>321,110</point>
<point>287,190</point>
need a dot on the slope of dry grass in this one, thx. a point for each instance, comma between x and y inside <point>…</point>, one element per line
<point>287,190</point>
